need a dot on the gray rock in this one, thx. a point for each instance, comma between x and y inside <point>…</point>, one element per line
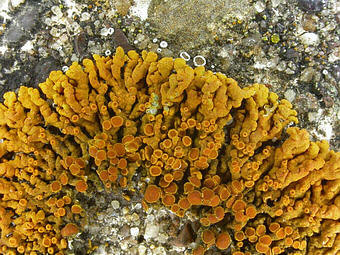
<point>290,95</point>
<point>14,34</point>
<point>151,231</point>
<point>307,74</point>
<point>310,39</point>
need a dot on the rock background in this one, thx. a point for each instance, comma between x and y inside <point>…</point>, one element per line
<point>291,46</point>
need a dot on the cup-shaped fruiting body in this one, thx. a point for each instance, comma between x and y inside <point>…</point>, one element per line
<point>152,194</point>
<point>223,241</point>
<point>69,229</point>
<point>208,237</point>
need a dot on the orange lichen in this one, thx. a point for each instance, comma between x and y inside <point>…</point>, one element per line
<point>239,236</point>
<point>198,251</point>
<point>75,169</point>
<point>168,199</point>
<point>184,203</point>
<point>186,141</point>
<point>61,212</point>
<point>76,209</point>
<point>280,233</point>
<point>261,248</point>
<point>296,244</point>
<point>155,170</point>
<point>148,130</point>
<point>219,212</point>
<point>104,175</point>
<point>265,239</point>
<point>276,250</point>
<point>117,121</point>
<point>55,186</point>
<point>251,212</point>
<point>168,177</point>
<point>239,205</point>
<point>194,154</point>
<point>122,163</point>
<point>81,186</point>
<point>278,212</point>
<point>119,149</point>
<point>69,229</point>
<point>60,202</point>
<point>200,141</point>
<point>288,230</point>
<point>250,232</point>
<point>194,197</point>
<point>122,182</point>
<point>152,194</point>
<point>171,189</point>
<point>208,237</point>
<point>273,227</point>
<point>223,241</point>
<point>260,230</point>
<point>63,178</point>
<point>107,125</point>
<point>178,175</point>
<point>288,241</point>
<point>188,187</point>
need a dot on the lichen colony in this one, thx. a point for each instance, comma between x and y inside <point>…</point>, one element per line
<point>227,154</point>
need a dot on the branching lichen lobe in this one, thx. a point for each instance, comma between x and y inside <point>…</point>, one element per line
<point>205,144</point>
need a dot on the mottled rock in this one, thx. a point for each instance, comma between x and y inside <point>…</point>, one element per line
<point>151,231</point>
<point>45,66</point>
<point>134,231</point>
<point>14,34</point>
<point>159,251</point>
<point>310,39</point>
<point>309,24</point>
<point>307,74</point>
<point>260,6</point>
<point>80,44</point>
<point>176,19</point>
<point>311,5</point>
<point>123,6</point>
<point>307,102</point>
<point>124,231</point>
<point>115,204</point>
<point>290,95</point>
<point>141,250</point>
<point>336,72</point>
<point>120,39</point>
<point>328,101</point>
<point>312,116</point>
<point>27,18</point>
<point>185,236</point>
